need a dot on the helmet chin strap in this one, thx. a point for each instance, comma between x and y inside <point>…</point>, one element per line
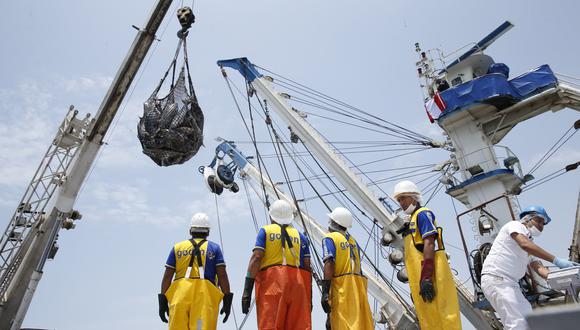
<point>333,226</point>
<point>199,234</point>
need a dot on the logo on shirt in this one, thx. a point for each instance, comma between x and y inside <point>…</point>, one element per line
<point>346,245</point>
<point>211,255</point>
<point>272,237</point>
<point>181,253</point>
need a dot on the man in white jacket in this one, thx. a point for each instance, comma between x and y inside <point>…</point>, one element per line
<point>507,262</point>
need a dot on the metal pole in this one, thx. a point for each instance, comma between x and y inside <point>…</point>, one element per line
<point>19,296</point>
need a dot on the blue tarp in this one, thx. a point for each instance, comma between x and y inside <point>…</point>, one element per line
<point>496,89</point>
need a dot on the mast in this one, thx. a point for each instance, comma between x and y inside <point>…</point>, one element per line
<point>30,238</point>
<point>355,186</point>
<point>394,309</point>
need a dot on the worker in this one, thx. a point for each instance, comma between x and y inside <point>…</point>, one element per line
<point>507,261</point>
<point>432,287</point>
<point>192,301</point>
<point>344,288</point>
<point>280,268</point>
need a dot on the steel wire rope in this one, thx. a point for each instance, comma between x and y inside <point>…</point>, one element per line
<point>351,124</point>
<point>391,157</point>
<point>286,175</point>
<point>393,133</point>
<point>352,163</point>
<point>362,224</point>
<point>552,176</point>
<point>372,184</point>
<point>377,142</point>
<point>252,304</point>
<point>307,212</point>
<point>217,209</point>
<point>341,112</point>
<point>316,176</point>
<point>118,117</point>
<point>251,136</point>
<point>344,104</point>
<point>358,151</point>
<point>341,193</point>
<point>551,151</point>
<point>328,207</point>
<point>293,194</point>
<point>272,130</point>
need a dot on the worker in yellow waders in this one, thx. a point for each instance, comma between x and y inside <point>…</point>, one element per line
<point>344,288</point>
<point>432,287</point>
<point>280,267</point>
<point>192,300</point>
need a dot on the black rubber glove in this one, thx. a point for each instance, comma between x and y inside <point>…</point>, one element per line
<point>427,290</point>
<point>325,296</point>
<point>247,296</point>
<point>163,307</point>
<point>227,305</point>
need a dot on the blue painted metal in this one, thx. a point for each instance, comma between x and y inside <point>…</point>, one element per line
<point>481,177</point>
<point>496,90</point>
<point>229,148</point>
<point>484,43</point>
<point>243,65</point>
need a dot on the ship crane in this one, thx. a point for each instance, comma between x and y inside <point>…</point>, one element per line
<point>356,187</point>
<point>30,238</point>
<point>477,104</point>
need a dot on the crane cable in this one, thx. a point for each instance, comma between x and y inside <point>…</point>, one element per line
<point>555,147</point>
<point>217,210</point>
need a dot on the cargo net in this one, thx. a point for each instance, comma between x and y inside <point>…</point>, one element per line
<point>171,129</point>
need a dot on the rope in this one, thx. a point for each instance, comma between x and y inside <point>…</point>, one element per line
<point>553,175</point>
<point>217,210</point>
<point>326,97</point>
<point>553,149</point>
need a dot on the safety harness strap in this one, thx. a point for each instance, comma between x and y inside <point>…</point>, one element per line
<point>286,241</point>
<point>196,255</point>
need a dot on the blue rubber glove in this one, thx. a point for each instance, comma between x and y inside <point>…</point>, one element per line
<point>564,263</point>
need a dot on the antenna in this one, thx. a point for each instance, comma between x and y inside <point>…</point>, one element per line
<point>485,42</point>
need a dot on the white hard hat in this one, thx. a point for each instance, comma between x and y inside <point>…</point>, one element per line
<point>408,188</point>
<point>281,211</point>
<point>199,221</point>
<point>341,216</point>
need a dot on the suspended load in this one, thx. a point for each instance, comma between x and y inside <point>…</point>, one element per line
<point>171,129</point>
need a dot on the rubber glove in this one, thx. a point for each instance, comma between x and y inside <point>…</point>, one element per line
<point>247,296</point>
<point>227,305</point>
<point>564,263</point>
<point>325,299</point>
<point>427,290</point>
<point>163,307</point>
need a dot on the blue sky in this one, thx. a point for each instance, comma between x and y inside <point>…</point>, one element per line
<point>57,53</point>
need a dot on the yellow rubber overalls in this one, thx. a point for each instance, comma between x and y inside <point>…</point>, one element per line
<point>443,312</point>
<point>193,300</point>
<point>348,292</point>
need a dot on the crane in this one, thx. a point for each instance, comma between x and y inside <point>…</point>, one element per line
<point>337,166</point>
<point>397,313</point>
<point>30,238</point>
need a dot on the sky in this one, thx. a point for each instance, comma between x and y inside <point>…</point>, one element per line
<point>108,270</point>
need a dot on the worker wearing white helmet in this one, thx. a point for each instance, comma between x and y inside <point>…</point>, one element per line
<point>511,252</point>
<point>344,288</point>
<point>280,268</point>
<point>192,299</point>
<point>432,287</point>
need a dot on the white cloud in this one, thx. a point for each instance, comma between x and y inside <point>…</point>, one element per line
<point>135,203</point>
<point>85,83</point>
<point>25,131</point>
